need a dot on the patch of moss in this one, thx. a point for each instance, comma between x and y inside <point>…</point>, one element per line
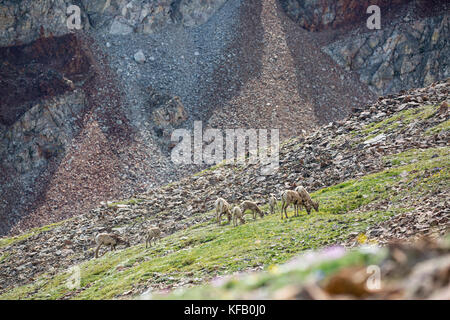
<point>11,240</point>
<point>444,126</point>
<point>404,117</point>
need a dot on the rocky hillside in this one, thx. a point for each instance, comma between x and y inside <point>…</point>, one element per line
<point>379,174</point>
<point>86,115</point>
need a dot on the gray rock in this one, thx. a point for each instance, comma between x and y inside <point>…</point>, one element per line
<point>139,57</point>
<point>120,27</point>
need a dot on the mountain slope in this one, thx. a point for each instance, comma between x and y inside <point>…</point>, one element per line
<point>368,170</point>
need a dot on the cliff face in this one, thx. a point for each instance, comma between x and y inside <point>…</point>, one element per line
<point>398,57</point>
<point>315,15</point>
<point>411,49</point>
<point>26,20</point>
<point>144,16</point>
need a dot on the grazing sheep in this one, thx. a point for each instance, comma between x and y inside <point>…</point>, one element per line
<point>250,205</point>
<point>307,202</point>
<point>222,207</point>
<point>237,214</point>
<point>289,197</point>
<point>109,239</point>
<point>153,233</point>
<point>272,203</point>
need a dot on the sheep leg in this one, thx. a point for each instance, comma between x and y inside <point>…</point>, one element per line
<point>285,210</point>
<point>96,251</point>
<point>281,209</point>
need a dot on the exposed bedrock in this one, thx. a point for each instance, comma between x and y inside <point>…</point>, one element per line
<point>26,20</point>
<point>315,15</point>
<point>401,56</point>
<point>410,50</point>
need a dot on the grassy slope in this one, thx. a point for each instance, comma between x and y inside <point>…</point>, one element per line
<point>207,250</point>
<point>8,241</point>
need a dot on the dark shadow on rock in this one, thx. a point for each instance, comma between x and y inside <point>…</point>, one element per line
<point>34,73</point>
<point>242,62</point>
<point>322,84</point>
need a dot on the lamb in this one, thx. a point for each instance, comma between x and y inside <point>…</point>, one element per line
<point>250,205</point>
<point>153,233</point>
<point>237,214</point>
<point>222,207</point>
<point>109,239</point>
<point>289,197</point>
<point>272,203</point>
<point>307,202</point>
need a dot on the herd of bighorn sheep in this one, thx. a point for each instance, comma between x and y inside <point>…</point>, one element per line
<point>298,197</point>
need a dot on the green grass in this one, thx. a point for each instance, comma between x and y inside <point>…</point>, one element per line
<point>444,126</point>
<point>206,250</point>
<point>404,117</point>
<point>268,283</point>
<point>11,240</point>
<point>4,257</point>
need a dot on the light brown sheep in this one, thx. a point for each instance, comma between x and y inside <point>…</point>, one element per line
<point>109,239</point>
<point>153,233</point>
<point>222,207</point>
<point>237,215</point>
<point>307,202</point>
<point>289,197</point>
<point>272,203</point>
<point>250,205</point>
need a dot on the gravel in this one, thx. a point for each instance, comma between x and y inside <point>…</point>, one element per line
<point>181,60</point>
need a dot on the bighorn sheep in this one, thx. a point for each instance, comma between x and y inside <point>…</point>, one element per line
<point>289,197</point>
<point>153,233</point>
<point>237,214</point>
<point>307,202</point>
<point>109,239</point>
<point>250,205</point>
<point>222,207</point>
<point>272,203</point>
